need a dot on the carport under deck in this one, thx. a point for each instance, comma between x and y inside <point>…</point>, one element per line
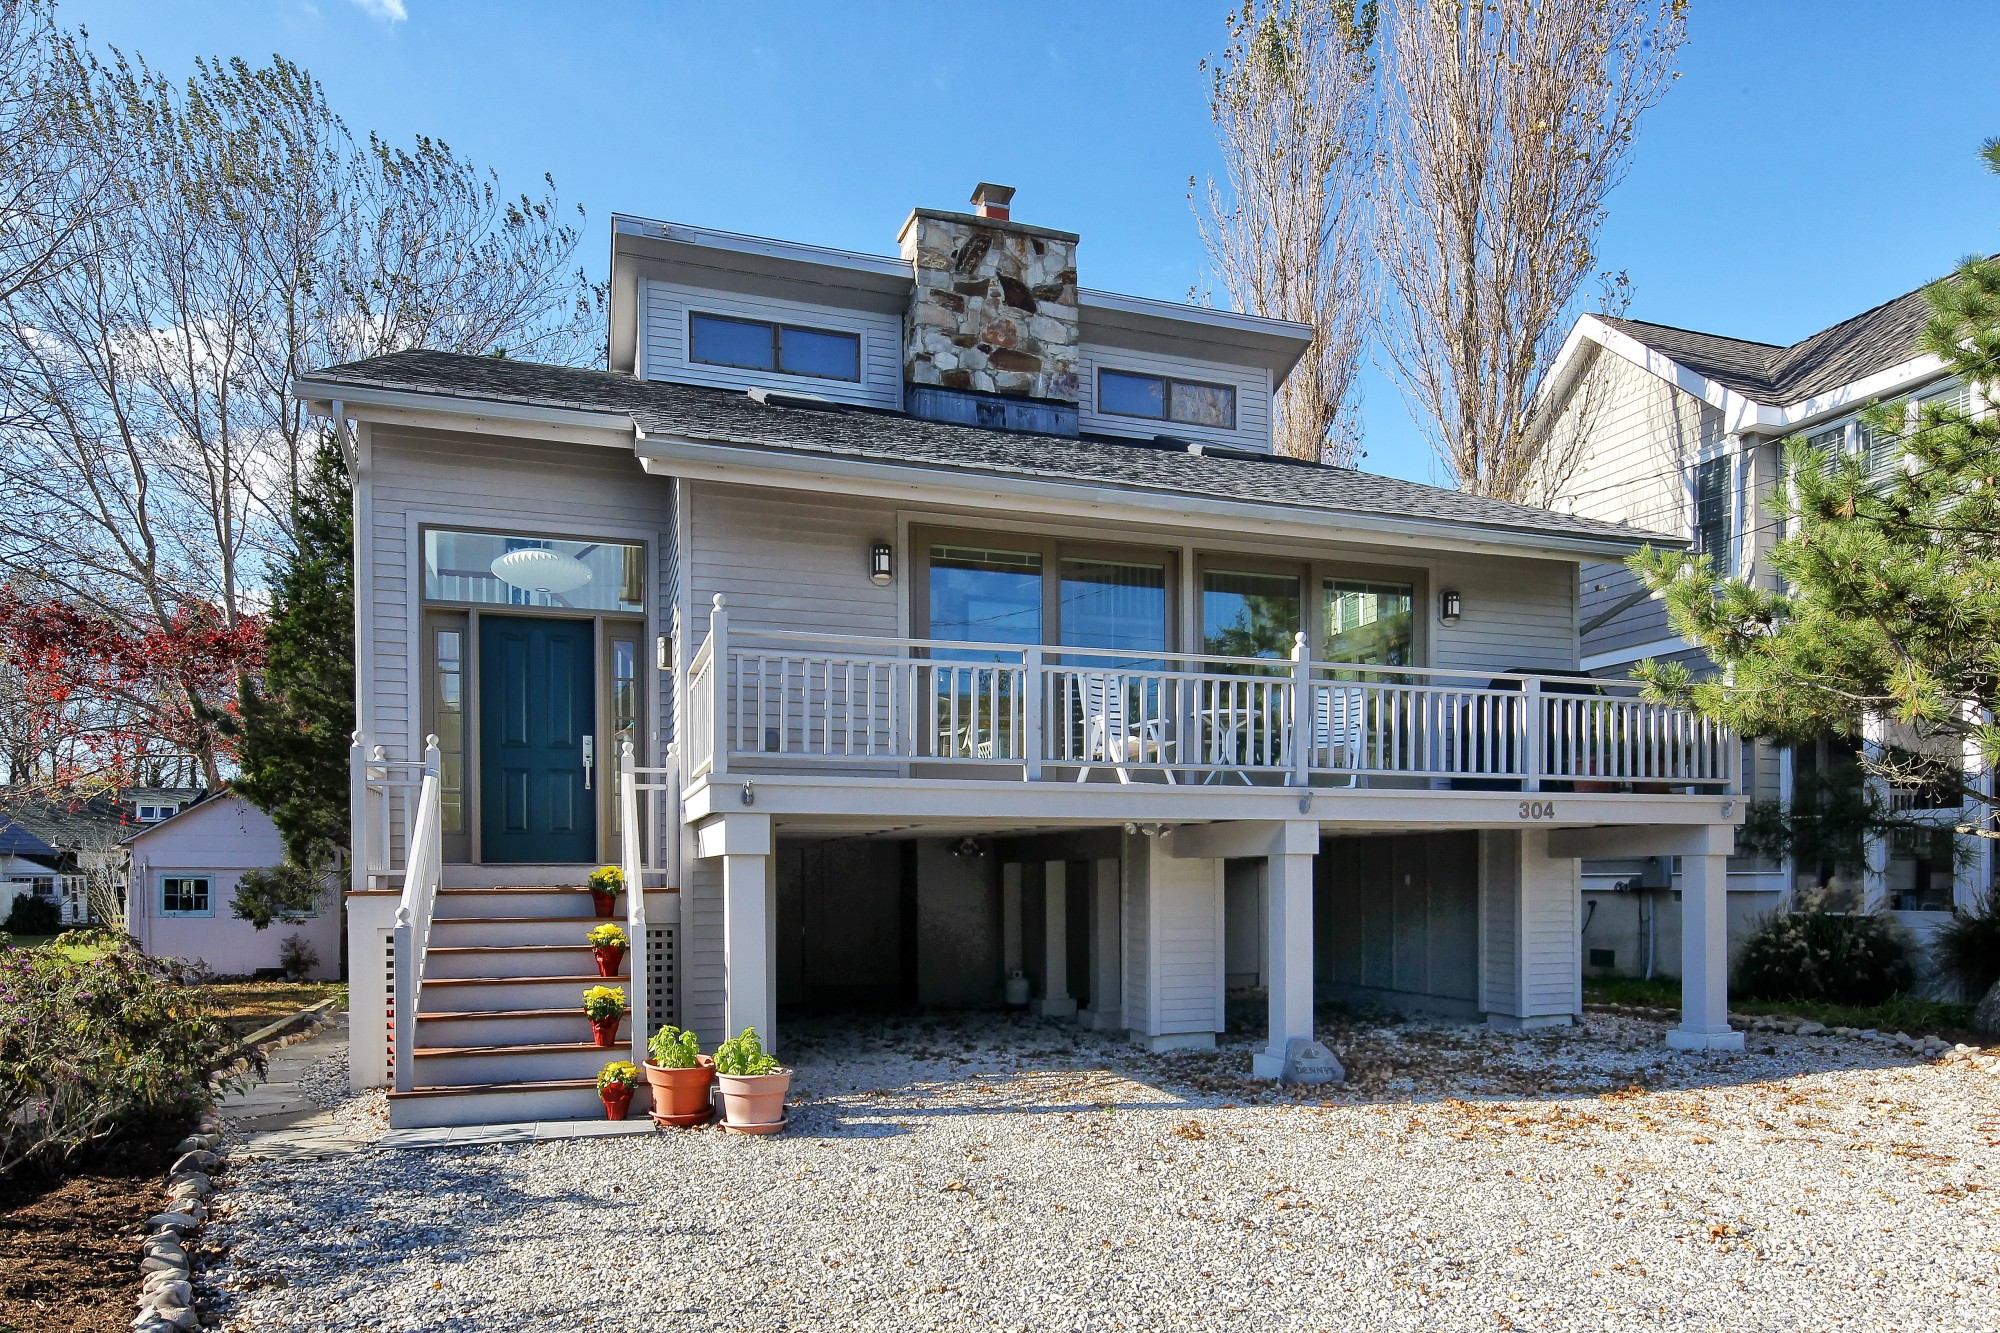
<point>1456,901</point>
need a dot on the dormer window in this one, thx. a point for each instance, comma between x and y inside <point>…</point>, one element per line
<point>755,344</point>
<point>1158,398</point>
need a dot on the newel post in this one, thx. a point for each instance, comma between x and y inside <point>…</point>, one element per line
<point>718,684</point>
<point>1303,721</point>
<point>1533,724</point>
<point>357,815</point>
<point>1031,705</point>
<point>402,1011</point>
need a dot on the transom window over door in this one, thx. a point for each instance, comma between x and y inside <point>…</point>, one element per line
<point>494,569</point>
<point>1246,613</point>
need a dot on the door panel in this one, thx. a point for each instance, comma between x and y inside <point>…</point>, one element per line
<point>536,705</point>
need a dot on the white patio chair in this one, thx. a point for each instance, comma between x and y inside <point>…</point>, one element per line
<point>1336,730</point>
<point>1110,737</point>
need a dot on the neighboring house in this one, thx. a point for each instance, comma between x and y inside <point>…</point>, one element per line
<point>1686,435</point>
<point>184,872</point>
<point>87,837</point>
<point>951,608</point>
<point>28,867</point>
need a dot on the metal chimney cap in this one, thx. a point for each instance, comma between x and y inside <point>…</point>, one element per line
<point>986,192</point>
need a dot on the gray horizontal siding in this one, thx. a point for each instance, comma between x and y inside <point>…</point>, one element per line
<point>1252,385</point>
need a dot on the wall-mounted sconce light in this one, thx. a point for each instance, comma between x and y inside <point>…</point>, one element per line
<point>881,563</point>
<point>1449,606</point>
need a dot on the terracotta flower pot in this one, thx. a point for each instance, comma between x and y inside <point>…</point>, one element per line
<point>609,956</point>
<point>682,1093</point>
<point>617,1100</point>
<point>754,1099</point>
<point>603,902</point>
<point>604,1031</point>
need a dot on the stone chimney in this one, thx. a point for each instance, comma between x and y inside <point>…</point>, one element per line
<point>993,315</point>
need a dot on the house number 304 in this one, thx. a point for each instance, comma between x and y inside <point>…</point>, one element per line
<point>1538,809</point>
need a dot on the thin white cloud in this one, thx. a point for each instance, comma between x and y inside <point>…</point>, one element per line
<point>389,11</point>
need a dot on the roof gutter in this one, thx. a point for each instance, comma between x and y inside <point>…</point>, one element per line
<point>804,469</point>
<point>408,407</point>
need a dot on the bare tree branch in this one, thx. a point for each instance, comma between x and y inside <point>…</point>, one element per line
<point>1506,125</point>
<point>1287,230</point>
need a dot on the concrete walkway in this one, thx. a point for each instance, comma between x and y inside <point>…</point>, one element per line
<point>275,1119</point>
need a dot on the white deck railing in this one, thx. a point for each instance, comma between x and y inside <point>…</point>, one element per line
<point>648,815</point>
<point>769,699</point>
<point>423,872</point>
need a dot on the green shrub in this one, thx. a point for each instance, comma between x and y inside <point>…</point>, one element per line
<point>33,916</point>
<point>673,1048</point>
<point>93,1043</point>
<point>744,1055</point>
<point>1967,947</point>
<point>1833,957</point>
<point>297,957</point>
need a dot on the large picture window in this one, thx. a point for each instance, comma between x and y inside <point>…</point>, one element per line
<point>755,344</point>
<point>985,595</point>
<point>493,569</point>
<point>1367,623</point>
<point>1245,613</point>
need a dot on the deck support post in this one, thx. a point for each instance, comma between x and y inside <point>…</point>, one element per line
<point>1704,1024</point>
<point>749,921</point>
<point>1289,926</point>
<point>1107,980</point>
<point>1056,1001</point>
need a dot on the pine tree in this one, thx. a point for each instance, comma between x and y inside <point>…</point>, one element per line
<point>295,730</point>
<point>1890,605</point>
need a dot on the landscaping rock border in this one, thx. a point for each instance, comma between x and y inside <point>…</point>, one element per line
<point>1930,1044</point>
<point>172,1297</point>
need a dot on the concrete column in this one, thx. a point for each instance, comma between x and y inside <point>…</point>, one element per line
<point>1107,980</point>
<point>1288,922</point>
<point>1705,957</point>
<point>1056,1001</point>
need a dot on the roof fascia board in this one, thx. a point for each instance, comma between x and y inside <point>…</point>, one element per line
<point>1883,383</point>
<point>402,407</point>
<point>682,456</point>
<point>1276,344</point>
<point>1741,414</point>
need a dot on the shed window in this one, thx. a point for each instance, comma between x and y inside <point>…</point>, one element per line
<point>185,895</point>
<point>1158,398</point>
<point>756,344</point>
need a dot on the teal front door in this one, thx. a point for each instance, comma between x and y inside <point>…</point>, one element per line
<point>537,710</point>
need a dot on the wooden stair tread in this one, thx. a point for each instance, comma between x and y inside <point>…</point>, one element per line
<point>521,888</point>
<point>533,1048</point>
<point>506,948</point>
<point>437,921</point>
<point>579,977</point>
<point>458,1015</point>
<point>474,1089</point>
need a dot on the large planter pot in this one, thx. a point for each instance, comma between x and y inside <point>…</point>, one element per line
<point>682,1096</point>
<point>608,959</point>
<point>604,1031</point>
<point>754,1099</point>
<point>617,1101</point>
<point>603,902</point>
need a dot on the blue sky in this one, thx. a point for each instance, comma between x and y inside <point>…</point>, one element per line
<point>1816,157</point>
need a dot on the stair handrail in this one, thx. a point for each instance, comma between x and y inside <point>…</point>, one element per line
<point>632,862</point>
<point>423,868</point>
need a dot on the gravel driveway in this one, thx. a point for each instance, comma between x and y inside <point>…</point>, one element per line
<point>992,1173</point>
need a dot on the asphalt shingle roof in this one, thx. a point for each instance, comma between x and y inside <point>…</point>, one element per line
<point>730,417</point>
<point>1780,376</point>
